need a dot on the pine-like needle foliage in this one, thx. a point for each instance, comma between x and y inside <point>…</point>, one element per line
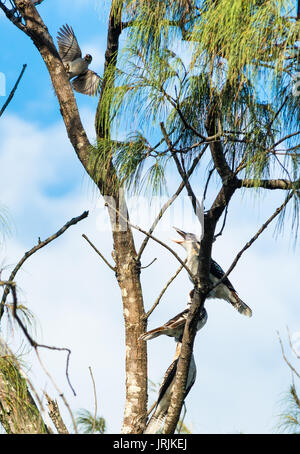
<point>181,61</point>
<point>88,424</point>
<point>290,418</point>
<point>18,411</point>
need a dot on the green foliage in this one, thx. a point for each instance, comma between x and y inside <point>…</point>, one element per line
<point>18,412</point>
<point>290,418</point>
<point>232,47</point>
<point>89,424</point>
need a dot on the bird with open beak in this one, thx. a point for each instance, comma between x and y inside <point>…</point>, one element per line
<point>225,290</point>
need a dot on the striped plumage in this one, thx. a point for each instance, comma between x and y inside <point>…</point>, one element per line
<point>165,392</point>
<point>175,326</point>
<point>225,290</point>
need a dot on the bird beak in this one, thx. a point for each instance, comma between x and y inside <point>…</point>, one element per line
<point>182,233</point>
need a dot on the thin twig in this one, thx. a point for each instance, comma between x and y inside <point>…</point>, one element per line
<point>35,344</point>
<point>40,245</point>
<point>195,202</point>
<point>13,90</point>
<point>58,390</point>
<point>254,238</point>
<point>285,358</point>
<point>147,266</point>
<point>152,237</point>
<point>291,345</point>
<point>207,181</point>
<point>95,399</point>
<point>156,303</point>
<point>170,201</point>
<point>223,225</point>
<point>99,253</point>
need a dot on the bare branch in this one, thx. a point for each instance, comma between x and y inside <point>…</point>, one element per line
<point>269,184</point>
<point>147,266</point>
<point>99,253</point>
<point>156,303</point>
<point>35,345</point>
<point>196,205</point>
<point>291,345</point>
<point>254,238</point>
<point>39,246</point>
<point>60,393</point>
<point>55,416</point>
<point>95,399</point>
<point>10,96</point>
<point>170,201</point>
<point>150,236</point>
<point>285,358</point>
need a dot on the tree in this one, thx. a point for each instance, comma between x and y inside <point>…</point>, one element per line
<point>208,107</point>
<point>289,419</point>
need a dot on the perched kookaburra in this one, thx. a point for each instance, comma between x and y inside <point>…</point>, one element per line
<point>165,392</point>
<point>84,80</point>
<point>225,290</point>
<point>175,326</point>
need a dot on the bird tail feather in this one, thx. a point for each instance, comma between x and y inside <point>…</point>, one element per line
<point>151,334</point>
<point>240,305</point>
<point>154,424</point>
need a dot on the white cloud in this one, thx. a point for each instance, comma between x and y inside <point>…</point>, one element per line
<point>77,301</point>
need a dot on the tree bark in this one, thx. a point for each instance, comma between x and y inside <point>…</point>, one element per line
<point>127,268</point>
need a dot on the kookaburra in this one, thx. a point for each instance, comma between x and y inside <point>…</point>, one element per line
<point>84,80</point>
<point>165,392</point>
<point>175,326</point>
<point>225,290</point>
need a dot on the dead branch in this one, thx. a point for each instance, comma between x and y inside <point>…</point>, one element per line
<point>285,358</point>
<point>39,246</point>
<point>95,398</point>
<point>152,237</point>
<point>11,95</point>
<point>156,303</point>
<point>198,209</point>
<point>55,416</point>
<point>170,201</point>
<point>254,238</point>
<point>99,253</point>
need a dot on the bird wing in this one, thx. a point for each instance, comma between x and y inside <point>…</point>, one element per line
<point>167,380</point>
<point>217,271</point>
<point>177,321</point>
<point>171,325</point>
<point>68,45</point>
<point>88,83</point>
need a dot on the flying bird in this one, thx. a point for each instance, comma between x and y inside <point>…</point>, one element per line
<point>165,392</point>
<point>175,326</point>
<point>225,290</point>
<point>84,80</point>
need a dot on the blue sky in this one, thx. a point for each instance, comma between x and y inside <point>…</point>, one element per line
<point>74,296</point>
